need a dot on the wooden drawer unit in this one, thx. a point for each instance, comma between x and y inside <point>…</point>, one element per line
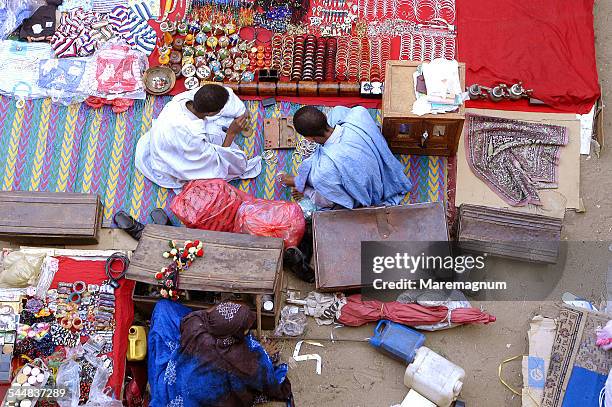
<point>407,133</point>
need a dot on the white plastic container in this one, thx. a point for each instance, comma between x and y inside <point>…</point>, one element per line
<point>434,377</point>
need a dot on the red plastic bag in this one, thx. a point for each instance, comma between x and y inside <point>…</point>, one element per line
<point>261,217</point>
<point>209,204</point>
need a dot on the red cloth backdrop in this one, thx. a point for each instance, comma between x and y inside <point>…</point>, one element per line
<point>547,44</point>
<point>92,272</point>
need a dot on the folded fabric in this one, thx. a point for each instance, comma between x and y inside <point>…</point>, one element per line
<point>105,6</point>
<point>131,24</point>
<point>75,35</point>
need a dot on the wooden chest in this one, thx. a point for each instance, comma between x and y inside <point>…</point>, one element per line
<point>406,133</point>
<point>250,266</point>
<point>509,234</point>
<point>56,217</point>
<point>338,236</point>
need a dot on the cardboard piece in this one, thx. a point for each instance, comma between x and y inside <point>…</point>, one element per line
<point>471,190</point>
<point>535,366</point>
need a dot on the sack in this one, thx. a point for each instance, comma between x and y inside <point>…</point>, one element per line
<point>209,204</point>
<point>262,217</point>
<point>213,204</point>
<point>21,270</point>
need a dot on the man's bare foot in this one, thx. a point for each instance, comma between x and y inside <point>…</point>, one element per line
<point>296,195</point>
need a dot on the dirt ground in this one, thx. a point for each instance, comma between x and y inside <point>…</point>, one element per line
<point>356,375</point>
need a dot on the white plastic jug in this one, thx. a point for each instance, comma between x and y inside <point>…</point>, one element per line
<point>434,377</point>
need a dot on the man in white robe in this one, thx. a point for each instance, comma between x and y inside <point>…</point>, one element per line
<point>193,138</point>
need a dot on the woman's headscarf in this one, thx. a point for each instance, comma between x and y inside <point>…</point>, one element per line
<point>217,337</point>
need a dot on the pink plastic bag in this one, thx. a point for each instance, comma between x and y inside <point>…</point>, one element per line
<point>209,204</point>
<point>261,217</point>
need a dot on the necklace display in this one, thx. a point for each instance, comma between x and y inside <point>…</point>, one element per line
<point>333,17</point>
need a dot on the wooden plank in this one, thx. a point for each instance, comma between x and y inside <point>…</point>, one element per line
<point>509,234</point>
<point>231,263</point>
<point>50,215</point>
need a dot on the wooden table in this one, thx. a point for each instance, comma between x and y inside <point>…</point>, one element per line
<point>232,262</point>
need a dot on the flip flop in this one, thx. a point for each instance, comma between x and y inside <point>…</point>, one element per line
<point>160,217</point>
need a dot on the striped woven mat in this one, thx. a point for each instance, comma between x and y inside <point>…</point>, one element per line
<point>47,147</point>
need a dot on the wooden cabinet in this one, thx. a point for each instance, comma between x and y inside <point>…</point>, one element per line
<point>407,133</point>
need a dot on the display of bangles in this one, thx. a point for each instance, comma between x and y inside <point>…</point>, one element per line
<point>298,57</point>
<point>342,58</point>
<point>364,68</point>
<point>277,52</point>
<point>310,47</point>
<point>354,59</point>
<point>287,61</point>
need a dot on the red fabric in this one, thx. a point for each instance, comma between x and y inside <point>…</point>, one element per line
<point>547,44</point>
<point>118,105</point>
<point>359,311</point>
<point>92,272</point>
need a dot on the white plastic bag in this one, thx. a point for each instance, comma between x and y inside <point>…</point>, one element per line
<point>100,395</point>
<point>68,377</point>
<point>20,270</point>
<point>292,322</point>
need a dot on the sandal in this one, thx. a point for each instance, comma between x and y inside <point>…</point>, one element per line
<point>127,223</point>
<point>160,217</point>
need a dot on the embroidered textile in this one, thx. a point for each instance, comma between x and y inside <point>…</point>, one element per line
<point>514,158</point>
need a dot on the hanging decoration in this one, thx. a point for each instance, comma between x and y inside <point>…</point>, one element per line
<point>168,277</point>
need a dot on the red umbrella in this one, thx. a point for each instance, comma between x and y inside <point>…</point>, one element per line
<point>358,311</point>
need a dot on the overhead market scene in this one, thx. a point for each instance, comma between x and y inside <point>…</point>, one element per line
<point>344,203</point>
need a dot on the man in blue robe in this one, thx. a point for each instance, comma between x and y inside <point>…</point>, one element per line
<point>353,166</point>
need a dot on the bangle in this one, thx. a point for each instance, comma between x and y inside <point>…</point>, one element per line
<point>77,323</point>
<point>66,323</point>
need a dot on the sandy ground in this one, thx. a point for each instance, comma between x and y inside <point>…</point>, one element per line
<point>356,375</point>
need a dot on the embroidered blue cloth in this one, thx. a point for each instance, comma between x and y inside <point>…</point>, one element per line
<point>180,380</point>
<point>360,170</point>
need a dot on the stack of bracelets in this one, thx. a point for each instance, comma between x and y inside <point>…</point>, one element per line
<point>277,52</point>
<point>298,58</point>
<point>330,59</point>
<point>319,73</point>
<point>342,59</point>
<point>364,69</point>
<point>354,59</point>
<point>310,44</point>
